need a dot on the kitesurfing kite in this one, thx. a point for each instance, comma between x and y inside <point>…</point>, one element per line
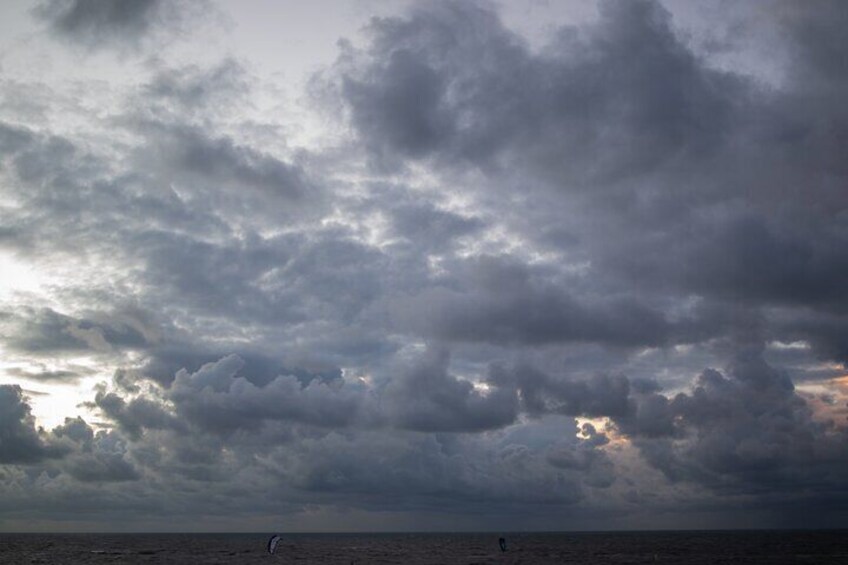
<point>272,543</point>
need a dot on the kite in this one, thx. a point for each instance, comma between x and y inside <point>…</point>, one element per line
<point>272,543</point>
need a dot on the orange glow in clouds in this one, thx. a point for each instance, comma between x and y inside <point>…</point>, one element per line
<point>828,400</point>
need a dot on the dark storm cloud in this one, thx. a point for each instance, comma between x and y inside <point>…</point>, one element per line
<point>166,360</point>
<point>428,398</point>
<point>43,330</point>
<point>209,275</point>
<point>648,415</point>
<point>540,393</point>
<point>420,395</point>
<point>419,470</point>
<point>320,462</point>
<point>826,332</point>
<point>95,457</point>
<point>752,259</point>
<point>46,332</point>
<point>20,441</point>
<point>97,23</point>
<point>72,447</point>
<point>746,430</point>
<point>665,170</point>
<point>189,151</point>
<point>452,82</point>
<point>424,226</point>
<point>168,433</point>
<point>257,282</point>
<point>137,414</point>
<point>515,239</point>
<point>423,397</point>
<point>595,466</point>
<point>817,43</point>
<point>502,301</point>
<point>215,398</point>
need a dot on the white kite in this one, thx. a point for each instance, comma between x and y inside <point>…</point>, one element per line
<point>272,543</point>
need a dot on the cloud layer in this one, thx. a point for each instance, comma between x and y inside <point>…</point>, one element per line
<point>595,280</point>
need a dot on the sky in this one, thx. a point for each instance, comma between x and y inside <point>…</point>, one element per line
<point>437,265</point>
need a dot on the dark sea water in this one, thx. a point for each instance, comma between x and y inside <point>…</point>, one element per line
<point>762,547</point>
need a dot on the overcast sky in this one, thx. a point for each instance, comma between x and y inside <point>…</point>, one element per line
<point>385,265</point>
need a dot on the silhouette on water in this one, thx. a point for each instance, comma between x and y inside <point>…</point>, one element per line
<point>272,543</point>
<point>572,548</point>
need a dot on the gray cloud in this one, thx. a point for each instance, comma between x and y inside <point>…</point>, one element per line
<point>621,133</point>
<point>487,99</point>
<point>192,154</point>
<point>95,457</point>
<point>136,415</point>
<point>597,276</point>
<point>42,331</point>
<point>20,441</point>
<point>12,138</point>
<point>747,430</point>
<point>195,89</point>
<point>501,301</point>
<point>214,397</point>
<point>426,397</point>
<point>97,23</point>
<point>45,375</point>
<point>46,332</point>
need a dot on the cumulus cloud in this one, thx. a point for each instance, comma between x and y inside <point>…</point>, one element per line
<point>744,430</point>
<point>214,397</point>
<point>527,278</point>
<point>426,397</point>
<point>20,441</point>
<point>618,109</point>
<point>94,457</point>
<point>423,90</point>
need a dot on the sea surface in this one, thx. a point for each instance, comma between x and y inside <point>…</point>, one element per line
<point>761,547</point>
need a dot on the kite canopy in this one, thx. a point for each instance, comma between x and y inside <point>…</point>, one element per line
<point>272,543</point>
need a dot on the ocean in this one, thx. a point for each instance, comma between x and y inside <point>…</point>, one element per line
<point>710,547</point>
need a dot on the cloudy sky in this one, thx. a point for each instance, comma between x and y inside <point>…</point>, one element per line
<point>378,265</point>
